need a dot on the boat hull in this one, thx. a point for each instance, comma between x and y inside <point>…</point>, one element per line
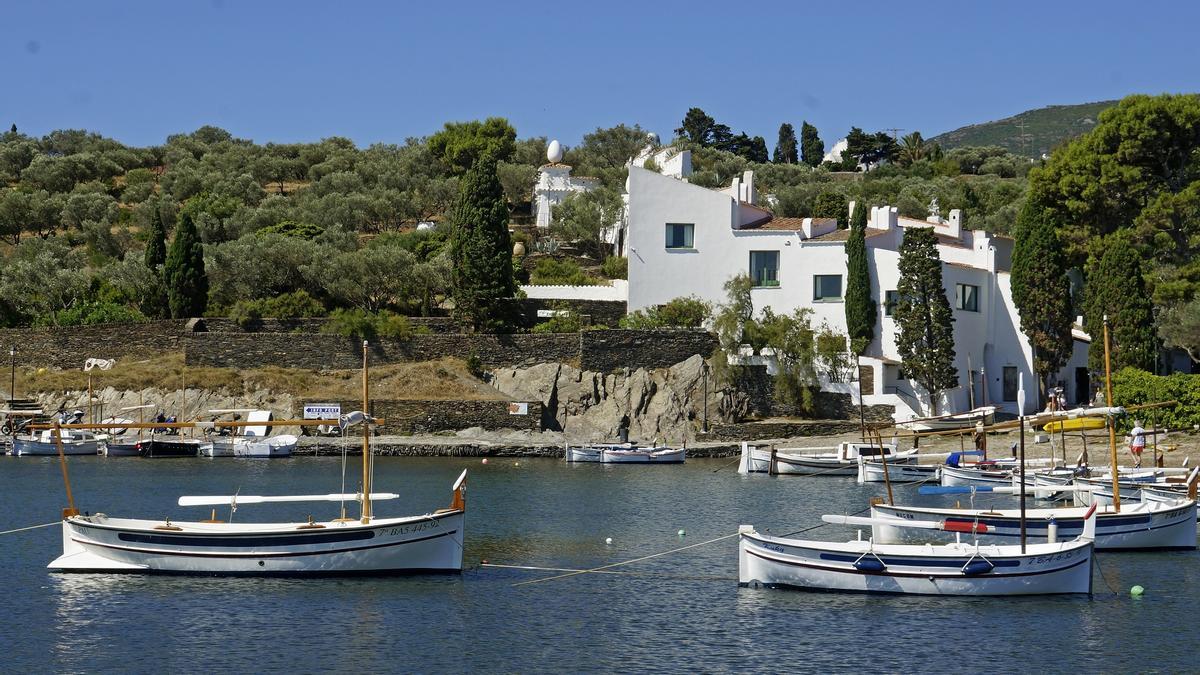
<point>34,448</point>
<point>965,420</point>
<point>626,455</point>
<point>917,570</point>
<point>176,447</point>
<point>121,448</point>
<point>957,475</point>
<point>273,446</point>
<point>873,472</point>
<point>801,465</point>
<point>1160,526</point>
<point>431,543</point>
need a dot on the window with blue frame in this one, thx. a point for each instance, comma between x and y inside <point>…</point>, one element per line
<point>764,268</point>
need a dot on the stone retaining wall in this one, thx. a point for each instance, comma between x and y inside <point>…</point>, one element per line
<point>754,431</point>
<point>608,350</point>
<point>69,346</point>
<point>430,324</point>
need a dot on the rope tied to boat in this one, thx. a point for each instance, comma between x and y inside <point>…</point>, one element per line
<point>627,562</point>
<point>31,527</point>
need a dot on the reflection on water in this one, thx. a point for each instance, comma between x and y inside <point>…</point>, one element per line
<point>682,612</point>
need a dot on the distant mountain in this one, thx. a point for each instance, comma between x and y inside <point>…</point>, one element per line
<point>1030,133</point>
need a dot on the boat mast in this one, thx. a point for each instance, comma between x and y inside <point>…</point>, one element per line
<point>366,450</point>
<point>1112,431</point>
<point>62,462</point>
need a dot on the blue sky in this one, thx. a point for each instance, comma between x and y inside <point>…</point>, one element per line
<point>384,71</point>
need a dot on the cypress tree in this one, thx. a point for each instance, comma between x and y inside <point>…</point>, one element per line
<point>156,246</point>
<point>860,307</point>
<point>1041,291</point>
<point>187,283</point>
<point>480,249</point>
<point>925,325</point>
<point>1115,287</point>
<point>812,148</point>
<point>785,147</point>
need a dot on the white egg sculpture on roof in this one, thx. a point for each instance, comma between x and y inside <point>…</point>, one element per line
<point>554,152</point>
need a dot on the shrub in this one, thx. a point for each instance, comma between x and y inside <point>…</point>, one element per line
<point>551,272</point>
<point>369,325</point>
<point>564,321</point>
<point>88,313</point>
<point>689,312</point>
<point>290,228</point>
<point>615,267</point>
<point>1132,386</point>
<point>294,305</point>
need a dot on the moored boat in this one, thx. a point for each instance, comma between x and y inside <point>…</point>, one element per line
<point>958,568</point>
<point>625,453</point>
<point>965,420</point>
<point>74,442</point>
<point>843,461</point>
<point>1141,526</point>
<point>171,446</point>
<point>874,471</point>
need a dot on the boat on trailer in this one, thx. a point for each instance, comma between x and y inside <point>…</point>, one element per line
<point>958,568</point>
<point>625,453</point>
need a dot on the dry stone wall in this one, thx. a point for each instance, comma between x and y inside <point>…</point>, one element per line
<point>424,417</point>
<point>609,350</point>
<point>70,346</point>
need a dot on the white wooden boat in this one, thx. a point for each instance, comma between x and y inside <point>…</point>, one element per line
<point>1142,526</point>
<point>957,568</point>
<point>432,542</point>
<point>271,446</point>
<point>74,442</point>
<point>843,461</point>
<point>625,453</point>
<point>873,471</point>
<point>965,420</point>
<point>755,459</point>
<point>367,544</point>
<point>989,473</point>
<point>121,446</point>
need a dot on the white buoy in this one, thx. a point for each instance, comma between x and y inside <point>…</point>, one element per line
<point>485,460</point>
<point>608,541</point>
<point>681,532</point>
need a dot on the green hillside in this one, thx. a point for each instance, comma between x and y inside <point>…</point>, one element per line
<point>1030,133</point>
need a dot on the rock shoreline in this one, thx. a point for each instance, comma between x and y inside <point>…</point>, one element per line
<point>451,446</point>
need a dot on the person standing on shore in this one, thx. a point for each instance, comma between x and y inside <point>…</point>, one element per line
<point>1137,443</point>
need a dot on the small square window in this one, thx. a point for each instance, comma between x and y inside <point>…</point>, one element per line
<point>966,297</point>
<point>827,288</point>
<point>680,235</point>
<point>890,299</point>
<point>764,268</point>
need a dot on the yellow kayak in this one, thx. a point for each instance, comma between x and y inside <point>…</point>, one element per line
<point>1077,424</point>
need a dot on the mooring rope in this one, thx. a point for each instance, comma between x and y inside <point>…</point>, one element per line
<point>613,572</point>
<point>31,527</point>
<point>627,562</point>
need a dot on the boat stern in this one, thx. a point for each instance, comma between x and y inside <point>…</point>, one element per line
<point>745,576</point>
<point>77,558</point>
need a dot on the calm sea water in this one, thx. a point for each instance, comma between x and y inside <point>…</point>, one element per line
<point>681,613</point>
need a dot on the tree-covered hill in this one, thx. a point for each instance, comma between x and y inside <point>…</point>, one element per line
<point>1030,133</point>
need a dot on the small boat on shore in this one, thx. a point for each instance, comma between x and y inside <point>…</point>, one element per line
<point>965,420</point>
<point>842,461</point>
<point>625,453</point>
<point>253,441</point>
<point>959,568</point>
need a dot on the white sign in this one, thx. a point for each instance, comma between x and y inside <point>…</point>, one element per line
<point>322,411</point>
<point>518,408</point>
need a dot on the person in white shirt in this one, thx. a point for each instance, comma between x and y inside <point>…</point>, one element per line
<point>1137,443</point>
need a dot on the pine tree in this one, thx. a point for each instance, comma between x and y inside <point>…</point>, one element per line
<point>812,148</point>
<point>1115,287</point>
<point>925,330</point>
<point>481,250</point>
<point>156,246</point>
<point>785,147</point>
<point>860,307</point>
<point>187,283</point>
<point>1041,291</point>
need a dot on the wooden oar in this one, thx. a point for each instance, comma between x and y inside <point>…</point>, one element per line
<point>241,500</point>
<point>946,526</point>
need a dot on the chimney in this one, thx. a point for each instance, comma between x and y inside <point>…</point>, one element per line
<point>850,213</point>
<point>955,222</point>
<point>748,181</point>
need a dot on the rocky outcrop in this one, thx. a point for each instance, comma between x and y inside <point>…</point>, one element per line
<point>663,403</point>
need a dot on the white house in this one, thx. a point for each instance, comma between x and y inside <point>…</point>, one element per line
<point>687,240</point>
